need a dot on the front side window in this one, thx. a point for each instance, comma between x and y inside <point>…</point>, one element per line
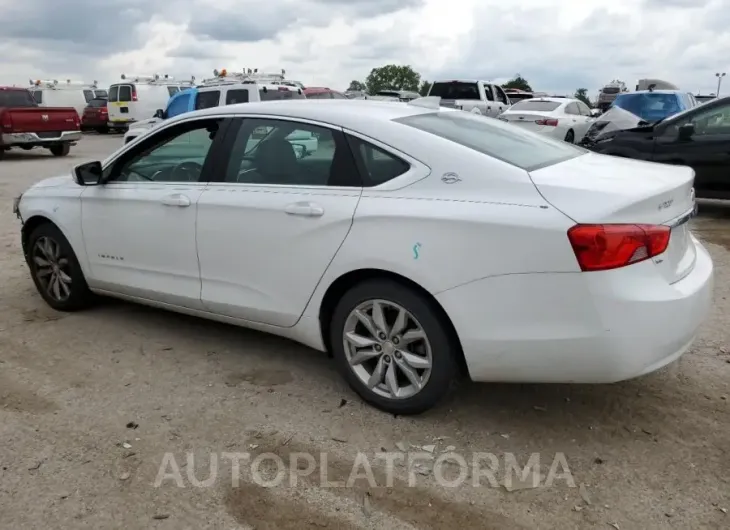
<point>289,153</point>
<point>501,96</point>
<point>38,96</point>
<point>514,145</point>
<point>88,95</point>
<point>172,90</point>
<point>207,100</point>
<point>712,122</point>
<point>174,154</point>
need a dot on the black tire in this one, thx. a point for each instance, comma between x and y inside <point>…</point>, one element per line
<point>570,137</point>
<point>444,367</point>
<point>79,296</point>
<point>103,130</point>
<point>60,149</point>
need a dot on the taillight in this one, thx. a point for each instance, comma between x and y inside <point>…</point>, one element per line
<point>7,122</point>
<point>549,122</point>
<point>134,94</point>
<point>610,246</point>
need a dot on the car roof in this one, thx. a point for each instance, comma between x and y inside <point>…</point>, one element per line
<point>360,115</point>
<point>653,92</point>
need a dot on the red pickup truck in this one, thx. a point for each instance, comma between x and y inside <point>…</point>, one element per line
<point>26,125</point>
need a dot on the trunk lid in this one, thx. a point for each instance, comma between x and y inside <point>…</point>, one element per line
<point>599,189</point>
<point>527,119</point>
<point>43,119</point>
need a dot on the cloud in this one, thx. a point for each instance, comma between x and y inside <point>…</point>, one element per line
<point>558,45</point>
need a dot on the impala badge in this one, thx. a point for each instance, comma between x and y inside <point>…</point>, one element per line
<point>665,204</point>
<point>450,178</point>
<point>44,117</point>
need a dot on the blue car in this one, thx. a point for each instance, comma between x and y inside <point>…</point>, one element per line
<point>652,106</point>
<point>179,103</point>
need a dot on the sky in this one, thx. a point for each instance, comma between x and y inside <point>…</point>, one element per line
<point>557,45</point>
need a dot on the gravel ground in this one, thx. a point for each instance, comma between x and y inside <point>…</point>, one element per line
<point>91,404</point>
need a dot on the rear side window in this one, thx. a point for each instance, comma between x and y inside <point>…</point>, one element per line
<point>543,106</point>
<point>17,98</point>
<point>236,96</point>
<point>274,95</point>
<point>207,100</point>
<point>455,90</point>
<point>125,93</point>
<point>38,96</point>
<point>114,93</point>
<point>379,166</point>
<point>526,150</point>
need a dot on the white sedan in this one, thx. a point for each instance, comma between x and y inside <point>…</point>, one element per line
<point>418,245</point>
<point>562,118</point>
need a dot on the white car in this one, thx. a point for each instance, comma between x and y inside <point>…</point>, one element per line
<point>563,118</point>
<point>418,242</point>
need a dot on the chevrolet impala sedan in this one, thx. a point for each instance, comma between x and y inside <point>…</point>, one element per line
<point>419,244</point>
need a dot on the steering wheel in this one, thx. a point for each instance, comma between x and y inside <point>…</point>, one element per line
<point>186,171</point>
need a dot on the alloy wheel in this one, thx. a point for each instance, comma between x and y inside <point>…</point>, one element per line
<point>51,268</point>
<point>387,349</point>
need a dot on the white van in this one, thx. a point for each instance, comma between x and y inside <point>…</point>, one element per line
<point>137,98</point>
<point>68,93</point>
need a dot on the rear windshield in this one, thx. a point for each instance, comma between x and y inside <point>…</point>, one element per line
<point>120,93</point>
<point>455,90</point>
<point>98,102</point>
<point>611,90</point>
<point>649,106</point>
<point>544,106</point>
<point>273,95</point>
<point>514,98</point>
<point>17,98</point>
<point>526,150</point>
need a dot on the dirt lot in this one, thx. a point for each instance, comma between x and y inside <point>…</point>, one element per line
<point>90,403</point>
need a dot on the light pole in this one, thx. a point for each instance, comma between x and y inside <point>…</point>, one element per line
<point>719,81</point>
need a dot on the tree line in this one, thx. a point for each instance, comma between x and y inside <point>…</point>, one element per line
<point>404,77</point>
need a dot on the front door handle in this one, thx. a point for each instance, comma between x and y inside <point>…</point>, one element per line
<point>176,199</point>
<point>305,209</point>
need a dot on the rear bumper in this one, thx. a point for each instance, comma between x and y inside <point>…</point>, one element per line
<point>120,124</point>
<point>93,123</point>
<point>31,138</point>
<point>597,327</point>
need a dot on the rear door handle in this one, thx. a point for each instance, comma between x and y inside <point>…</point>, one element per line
<point>304,209</point>
<point>176,199</point>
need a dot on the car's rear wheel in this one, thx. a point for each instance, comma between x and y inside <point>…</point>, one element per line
<point>60,149</point>
<point>570,137</point>
<point>103,130</point>
<point>56,271</point>
<point>392,347</point>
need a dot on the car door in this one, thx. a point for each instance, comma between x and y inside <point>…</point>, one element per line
<point>139,225</point>
<point>586,120</point>
<point>271,225</point>
<point>706,150</point>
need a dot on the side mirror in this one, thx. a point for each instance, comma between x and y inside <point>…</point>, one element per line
<point>299,150</point>
<point>159,114</point>
<point>88,174</point>
<point>686,131</point>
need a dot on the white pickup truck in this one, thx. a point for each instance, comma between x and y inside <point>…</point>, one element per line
<point>479,97</point>
<point>223,90</point>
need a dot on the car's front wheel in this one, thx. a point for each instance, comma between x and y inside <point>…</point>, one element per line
<point>55,270</point>
<point>392,347</point>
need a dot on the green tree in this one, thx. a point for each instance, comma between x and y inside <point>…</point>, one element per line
<point>393,77</point>
<point>356,85</point>
<point>519,83</point>
<point>425,87</point>
<point>582,95</point>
